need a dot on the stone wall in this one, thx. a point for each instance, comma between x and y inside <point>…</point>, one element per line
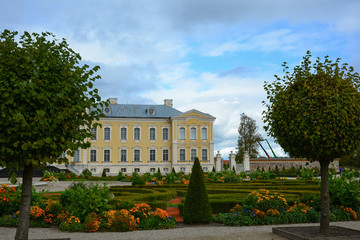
<point>271,163</point>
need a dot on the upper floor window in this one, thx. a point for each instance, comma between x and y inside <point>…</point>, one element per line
<point>165,134</point>
<point>204,134</point>
<point>106,155</point>
<point>94,133</point>
<point>182,154</point>
<point>165,155</point>
<point>152,133</point>
<point>136,155</point>
<point>192,133</point>
<point>136,133</point>
<point>182,133</point>
<point>152,155</point>
<point>76,156</point>
<point>204,155</point>
<point>193,154</point>
<point>123,133</point>
<point>123,155</point>
<point>106,133</point>
<point>92,155</point>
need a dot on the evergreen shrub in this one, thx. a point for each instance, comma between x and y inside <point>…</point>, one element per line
<point>197,208</point>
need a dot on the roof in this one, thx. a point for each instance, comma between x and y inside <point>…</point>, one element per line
<point>140,111</point>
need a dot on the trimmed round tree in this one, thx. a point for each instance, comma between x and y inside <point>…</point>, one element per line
<point>44,99</point>
<point>197,208</point>
<point>314,112</point>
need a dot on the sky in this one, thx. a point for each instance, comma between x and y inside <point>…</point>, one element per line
<point>209,55</point>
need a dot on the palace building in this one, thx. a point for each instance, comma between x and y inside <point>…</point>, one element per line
<point>145,138</point>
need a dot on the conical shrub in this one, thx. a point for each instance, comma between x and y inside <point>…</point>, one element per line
<point>197,208</point>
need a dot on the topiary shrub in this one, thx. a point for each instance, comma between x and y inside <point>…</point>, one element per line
<point>197,208</point>
<point>103,173</point>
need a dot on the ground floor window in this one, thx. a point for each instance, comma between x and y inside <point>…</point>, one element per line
<point>182,169</point>
<point>205,169</point>
<point>123,170</point>
<point>93,170</point>
<point>137,170</point>
<point>166,169</point>
<point>152,170</point>
<point>107,170</point>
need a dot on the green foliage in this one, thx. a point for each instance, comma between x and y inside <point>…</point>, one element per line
<point>307,174</point>
<point>136,179</point>
<point>43,100</point>
<point>248,138</point>
<point>82,199</point>
<point>313,112</point>
<point>345,190</point>
<point>103,173</point>
<point>86,173</point>
<point>197,208</point>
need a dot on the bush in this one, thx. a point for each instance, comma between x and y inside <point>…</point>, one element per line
<point>197,208</point>
<point>121,176</point>
<point>103,174</point>
<point>86,173</point>
<point>82,199</point>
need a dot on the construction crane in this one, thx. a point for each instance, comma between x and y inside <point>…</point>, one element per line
<point>271,148</point>
<point>264,150</point>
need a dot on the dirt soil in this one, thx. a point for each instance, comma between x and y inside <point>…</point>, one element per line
<point>311,232</point>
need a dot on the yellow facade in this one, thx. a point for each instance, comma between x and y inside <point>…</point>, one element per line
<point>145,138</point>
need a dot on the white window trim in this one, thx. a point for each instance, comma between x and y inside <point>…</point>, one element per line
<point>180,155</point>
<point>126,135</point>
<point>180,127</point>
<point>107,126</point>
<point>152,140</point>
<point>207,133</point>
<point>139,155</point>
<point>137,140</point>
<point>107,148</point>
<point>96,134</point>
<point>191,150</point>
<point>167,154</point>
<point>152,149</point>
<point>168,133</point>
<point>79,160</point>
<point>126,155</point>
<point>191,127</point>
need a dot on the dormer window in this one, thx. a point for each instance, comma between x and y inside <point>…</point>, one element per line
<point>151,111</point>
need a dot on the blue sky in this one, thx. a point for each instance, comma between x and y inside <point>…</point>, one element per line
<point>209,55</point>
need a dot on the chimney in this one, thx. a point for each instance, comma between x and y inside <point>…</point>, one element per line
<point>113,100</point>
<point>168,102</point>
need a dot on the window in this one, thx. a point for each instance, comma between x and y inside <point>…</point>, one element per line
<point>92,155</point>
<point>106,133</point>
<point>152,155</point>
<point>165,155</point>
<point>136,133</point>
<point>182,154</point>
<point>204,154</point>
<point>93,132</point>
<point>182,133</point>
<point>136,169</point>
<point>123,155</point>
<point>193,154</point>
<point>106,155</point>
<point>165,134</point>
<point>182,169</point>
<point>123,169</point>
<point>76,156</point>
<point>93,170</point>
<point>192,133</point>
<point>166,169</point>
<point>123,133</point>
<point>152,133</point>
<point>205,169</point>
<point>136,155</point>
<point>107,170</point>
<point>204,133</point>
<point>152,170</point>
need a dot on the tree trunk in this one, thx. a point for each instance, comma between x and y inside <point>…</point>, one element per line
<point>325,199</point>
<point>22,230</point>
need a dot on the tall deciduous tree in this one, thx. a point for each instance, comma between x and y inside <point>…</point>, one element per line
<point>248,138</point>
<point>44,98</point>
<point>314,112</point>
